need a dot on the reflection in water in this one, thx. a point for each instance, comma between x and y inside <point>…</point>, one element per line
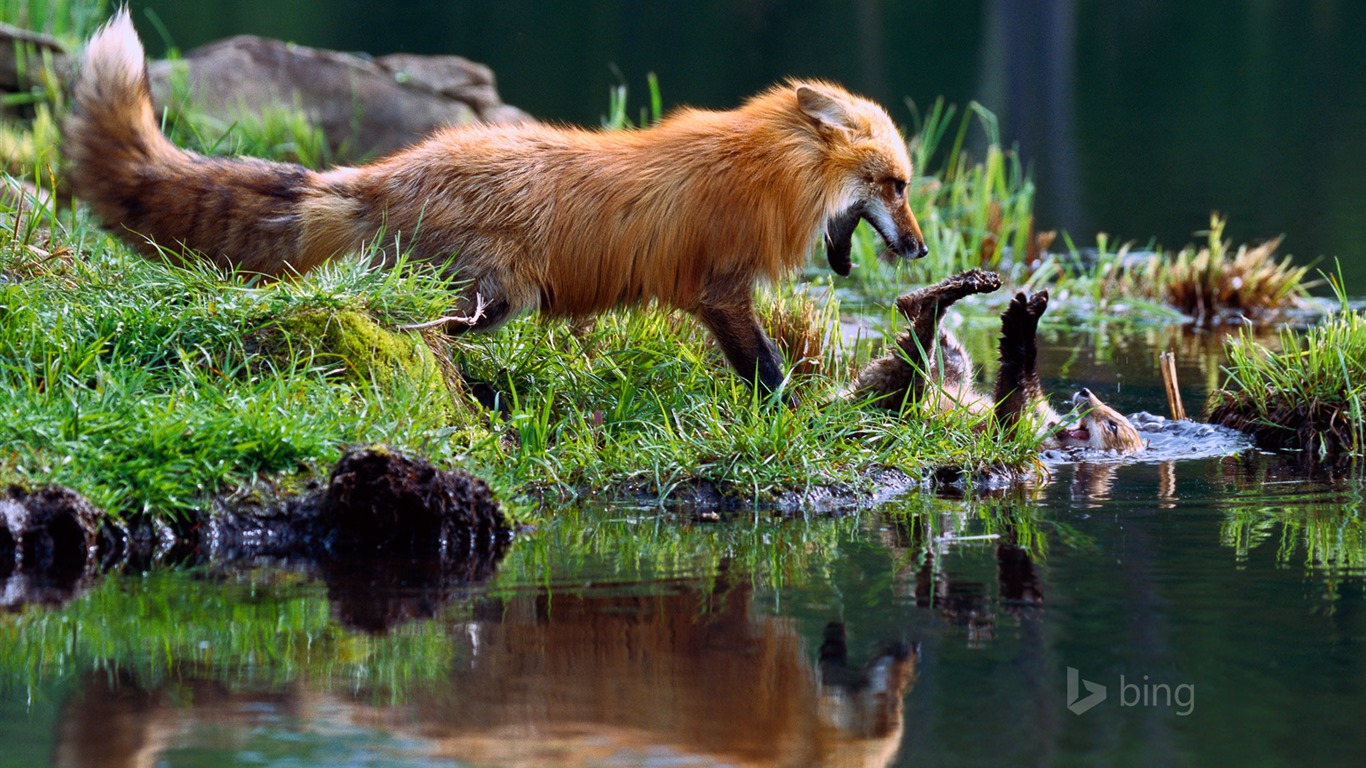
<point>1166,485</point>
<point>1304,505</point>
<point>1005,593</point>
<point>684,674</point>
<point>965,602</point>
<point>376,595</point>
<point>1019,580</point>
<point>1091,484</point>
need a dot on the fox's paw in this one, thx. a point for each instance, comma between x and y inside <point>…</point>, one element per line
<point>1022,316</point>
<point>979,280</point>
<point>950,289</point>
<point>938,297</point>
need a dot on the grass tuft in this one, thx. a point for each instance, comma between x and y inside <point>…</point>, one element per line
<point>1309,395</point>
<point>1216,284</point>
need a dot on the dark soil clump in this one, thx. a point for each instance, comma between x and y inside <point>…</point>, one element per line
<point>379,500</point>
<point>1318,428</point>
<point>47,542</point>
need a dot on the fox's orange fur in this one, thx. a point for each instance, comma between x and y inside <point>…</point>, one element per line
<point>689,213</point>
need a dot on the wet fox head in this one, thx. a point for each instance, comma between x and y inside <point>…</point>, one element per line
<point>1101,427</point>
<point>867,156</point>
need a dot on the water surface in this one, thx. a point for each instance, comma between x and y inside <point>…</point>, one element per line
<point>1218,602</point>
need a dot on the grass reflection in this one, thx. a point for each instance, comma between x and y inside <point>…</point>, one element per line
<point>1309,511</point>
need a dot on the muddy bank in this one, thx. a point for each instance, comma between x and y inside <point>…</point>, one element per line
<point>1165,440</point>
<point>1317,428</point>
<point>393,537</point>
<point>706,500</point>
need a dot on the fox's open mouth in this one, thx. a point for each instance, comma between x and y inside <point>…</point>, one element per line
<point>839,240</point>
<point>1080,434</point>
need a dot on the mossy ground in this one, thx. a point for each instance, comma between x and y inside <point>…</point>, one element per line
<point>364,353</point>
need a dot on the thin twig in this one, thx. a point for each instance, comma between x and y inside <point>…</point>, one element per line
<point>1167,364</point>
<point>469,320</point>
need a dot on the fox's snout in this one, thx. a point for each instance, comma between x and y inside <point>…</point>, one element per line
<point>906,240</point>
<point>897,228</point>
<point>909,246</point>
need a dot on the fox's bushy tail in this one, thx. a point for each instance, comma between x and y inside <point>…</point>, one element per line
<point>263,217</point>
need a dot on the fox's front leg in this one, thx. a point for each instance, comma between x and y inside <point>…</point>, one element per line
<point>750,351</point>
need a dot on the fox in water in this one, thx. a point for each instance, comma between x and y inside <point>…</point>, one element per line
<point>690,213</point>
<point>932,368</point>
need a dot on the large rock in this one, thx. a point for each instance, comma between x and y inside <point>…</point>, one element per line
<point>364,106</point>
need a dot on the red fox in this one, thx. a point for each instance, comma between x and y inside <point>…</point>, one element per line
<point>690,213</point>
<point>932,362</point>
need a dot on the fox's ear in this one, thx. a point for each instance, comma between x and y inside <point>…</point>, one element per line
<point>825,109</point>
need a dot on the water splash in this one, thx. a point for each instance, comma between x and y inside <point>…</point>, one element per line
<point>1167,440</point>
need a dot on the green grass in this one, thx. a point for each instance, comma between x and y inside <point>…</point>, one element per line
<point>70,21</point>
<point>1309,395</point>
<point>144,386</point>
<point>141,384</point>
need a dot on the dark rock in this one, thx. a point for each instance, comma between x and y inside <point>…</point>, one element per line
<point>47,544</point>
<point>364,106</point>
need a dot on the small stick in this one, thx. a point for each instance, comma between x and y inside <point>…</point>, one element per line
<point>469,319</point>
<point>1167,362</point>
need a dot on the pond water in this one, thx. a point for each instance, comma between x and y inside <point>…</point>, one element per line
<point>1217,603</point>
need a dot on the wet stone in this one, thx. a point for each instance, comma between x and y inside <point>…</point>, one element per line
<point>47,544</point>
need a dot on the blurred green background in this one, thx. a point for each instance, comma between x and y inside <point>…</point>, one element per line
<point>1138,117</point>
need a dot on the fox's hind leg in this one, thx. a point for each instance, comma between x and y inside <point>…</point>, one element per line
<point>488,296</point>
<point>928,354</point>
<point>1017,383</point>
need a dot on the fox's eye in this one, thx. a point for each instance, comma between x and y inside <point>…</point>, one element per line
<point>1113,426</point>
<point>898,186</point>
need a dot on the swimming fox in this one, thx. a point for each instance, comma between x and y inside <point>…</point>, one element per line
<point>931,362</point>
<point>690,213</point>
